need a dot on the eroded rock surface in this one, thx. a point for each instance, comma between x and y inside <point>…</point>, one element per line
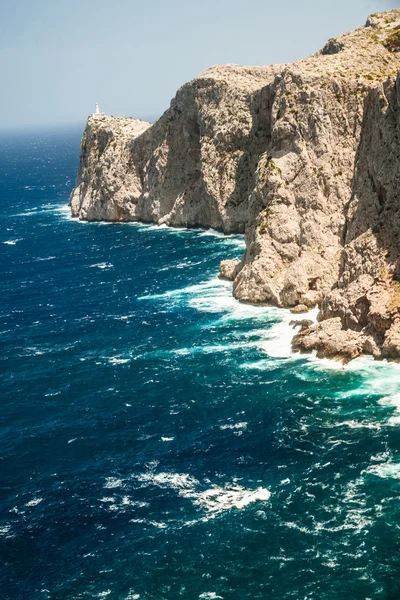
<point>366,298</point>
<point>303,158</point>
<point>194,167</point>
<point>229,269</point>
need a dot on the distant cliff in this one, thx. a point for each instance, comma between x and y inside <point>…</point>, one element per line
<point>195,167</point>
<point>304,158</point>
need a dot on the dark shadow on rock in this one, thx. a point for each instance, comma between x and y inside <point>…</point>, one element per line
<point>375,203</point>
<point>253,146</point>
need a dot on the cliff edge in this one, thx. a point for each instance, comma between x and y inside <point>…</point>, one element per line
<point>303,158</point>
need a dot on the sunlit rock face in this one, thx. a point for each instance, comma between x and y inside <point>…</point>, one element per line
<point>303,158</point>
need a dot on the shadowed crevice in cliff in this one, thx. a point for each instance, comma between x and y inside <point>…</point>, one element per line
<point>256,144</point>
<point>190,203</point>
<point>170,168</point>
<point>375,205</point>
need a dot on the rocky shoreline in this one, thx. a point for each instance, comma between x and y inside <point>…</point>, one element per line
<point>302,158</point>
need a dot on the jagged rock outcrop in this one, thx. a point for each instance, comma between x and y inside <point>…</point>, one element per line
<point>303,158</point>
<point>330,340</point>
<point>229,269</point>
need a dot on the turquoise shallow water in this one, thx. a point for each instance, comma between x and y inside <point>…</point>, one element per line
<point>159,440</point>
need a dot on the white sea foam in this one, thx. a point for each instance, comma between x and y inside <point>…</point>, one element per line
<point>103,265</point>
<point>209,288</point>
<point>218,499</point>
<point>62,209</point>
<point>132,596</point>
<point>121,504</point>
<point>158,524</point>
<point>113,482</point>
<point>242,426</point>
<point>34,502</point>
<point>376,379</point>
<point>174,481</point>
<point>4,529</point>
<point>352,424</point>
<point>44,259</point>
<point>387,470</point>
<point>279,342</point>
<point>32,351</point>
<point>392,402</point>
<point>213,500</point>
<point>118,361</point>
<point>211,349</point>
<point>279,338</point>
<point>236,239</point>
<point>28,213</point>
<point>215,296</point>
<point>212,232</point>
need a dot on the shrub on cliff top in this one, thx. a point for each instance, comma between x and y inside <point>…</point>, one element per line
<point>392,42</point>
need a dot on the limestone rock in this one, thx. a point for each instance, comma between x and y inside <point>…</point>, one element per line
<point>194,167</point>
<point>330,341</point>
<point>303,324</point>
<point>391,344</point>
<point>299,309</point>
<point>106,182</point>
<point>228,269</point>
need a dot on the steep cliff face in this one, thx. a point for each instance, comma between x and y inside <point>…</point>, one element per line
<point>304,181</point>
<point>107,179</point>
<point>301,157</point>
<point>194,167</point>
<point>364,306</point>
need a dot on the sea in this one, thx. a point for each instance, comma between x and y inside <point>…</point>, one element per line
<point>160,440</point>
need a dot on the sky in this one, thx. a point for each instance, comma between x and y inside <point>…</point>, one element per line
<point>57,58</point>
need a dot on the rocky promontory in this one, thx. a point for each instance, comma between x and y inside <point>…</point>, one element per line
<point>303,158</point>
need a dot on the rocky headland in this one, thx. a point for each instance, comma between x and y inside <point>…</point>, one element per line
<point>303,158</point>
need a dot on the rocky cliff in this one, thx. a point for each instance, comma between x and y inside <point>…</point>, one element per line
<point>361,314</point>
<point>196,166</point>
<point>304,158</point>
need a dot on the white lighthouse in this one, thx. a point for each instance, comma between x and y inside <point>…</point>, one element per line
<point>97,112</point>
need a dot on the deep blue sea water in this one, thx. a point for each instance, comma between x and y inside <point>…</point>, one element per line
<point>158,440</point>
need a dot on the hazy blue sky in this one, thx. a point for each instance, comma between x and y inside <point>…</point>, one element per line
<point>58,58</point>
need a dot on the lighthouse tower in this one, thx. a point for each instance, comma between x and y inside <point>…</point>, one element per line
<point>97,112</point>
